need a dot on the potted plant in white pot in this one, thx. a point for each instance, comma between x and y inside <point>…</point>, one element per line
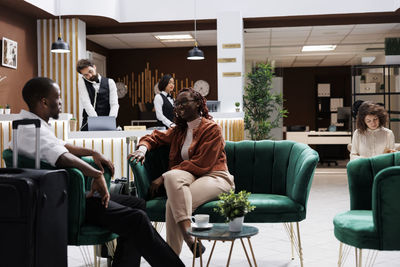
<point>1,110</point>
<point>234,207</point>
<point>7,110</point>
<point>237,104</point>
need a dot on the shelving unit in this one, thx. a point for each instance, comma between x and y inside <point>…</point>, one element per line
<point>386,91</point>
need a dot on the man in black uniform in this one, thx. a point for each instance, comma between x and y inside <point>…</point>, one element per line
<point>97,94</point>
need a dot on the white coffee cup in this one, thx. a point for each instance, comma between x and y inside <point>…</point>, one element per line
<point>201,220</point>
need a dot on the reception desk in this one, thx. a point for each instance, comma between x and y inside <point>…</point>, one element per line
<point>113,144</point>
<point>320,138</point>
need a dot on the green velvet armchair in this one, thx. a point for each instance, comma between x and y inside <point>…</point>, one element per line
<point>79,232</point>
<point>373,221</point>
<point>277,173</point>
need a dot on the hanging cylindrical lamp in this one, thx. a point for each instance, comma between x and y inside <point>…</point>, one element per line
<point>195,53</point>
<point>59,46</point>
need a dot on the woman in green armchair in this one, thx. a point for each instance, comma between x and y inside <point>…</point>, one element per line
<point>198,170</point>
<point>371,138</point>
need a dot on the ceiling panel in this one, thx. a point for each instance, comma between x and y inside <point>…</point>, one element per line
<point>283,44</point>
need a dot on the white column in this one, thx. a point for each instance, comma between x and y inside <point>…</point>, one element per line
<point>230,32</point>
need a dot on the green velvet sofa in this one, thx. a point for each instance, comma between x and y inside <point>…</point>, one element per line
<point>373,221</point>
<point>277,173</point>
<point>79,232</point>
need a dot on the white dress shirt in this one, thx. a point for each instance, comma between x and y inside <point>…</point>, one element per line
<point>84,99</point>
<point>158,104</point>
<point>51,148</point>
<point>371,143</point>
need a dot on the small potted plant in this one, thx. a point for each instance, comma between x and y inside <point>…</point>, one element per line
<point>72,125</point>
<point>237,104</point>
<point>7,110</point>
<point>1,109</point>
<point>234,207</point>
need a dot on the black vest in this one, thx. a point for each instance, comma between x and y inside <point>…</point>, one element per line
<point>167,110</point>
<point>102,107</point>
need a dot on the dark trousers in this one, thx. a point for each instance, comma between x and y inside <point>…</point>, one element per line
<point>126,217</point>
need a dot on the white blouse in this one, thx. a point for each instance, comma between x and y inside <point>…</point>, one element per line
<point>371,143</point>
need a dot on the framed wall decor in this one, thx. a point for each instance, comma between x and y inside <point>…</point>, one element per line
<point>9,53</point>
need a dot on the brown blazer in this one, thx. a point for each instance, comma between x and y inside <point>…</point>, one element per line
<point>206,152</point>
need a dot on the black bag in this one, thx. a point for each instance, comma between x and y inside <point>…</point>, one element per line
<point>33,213</point>
<point>121,185</point>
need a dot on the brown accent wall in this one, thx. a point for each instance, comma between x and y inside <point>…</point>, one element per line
<point>300,91</point>
<point>22,29</point>
<point>165,60</point>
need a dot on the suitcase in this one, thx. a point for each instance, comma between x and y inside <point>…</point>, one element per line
<point>33,213</point>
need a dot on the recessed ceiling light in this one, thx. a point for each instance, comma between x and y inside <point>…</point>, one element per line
<point>313,48</point>
<point>175,38</point>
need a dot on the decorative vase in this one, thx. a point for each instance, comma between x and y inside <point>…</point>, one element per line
<point>237,109</point>
<point>1,110</point>
<point>7,111</point>
<point>236,224</point>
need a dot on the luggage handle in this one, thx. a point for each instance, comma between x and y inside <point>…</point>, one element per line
<point>131,185</point>
<point>15,125</point>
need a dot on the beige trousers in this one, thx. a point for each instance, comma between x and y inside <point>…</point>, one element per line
<point>186,193</point>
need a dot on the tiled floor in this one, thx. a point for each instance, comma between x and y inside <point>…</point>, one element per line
<point>329,195</point>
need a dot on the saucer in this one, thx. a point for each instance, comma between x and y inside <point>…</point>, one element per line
<point>206,227</point>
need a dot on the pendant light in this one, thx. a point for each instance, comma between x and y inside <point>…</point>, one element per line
<point>59,46</point>
<point>195,53</point>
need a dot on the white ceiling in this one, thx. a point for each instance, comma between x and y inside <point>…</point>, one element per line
<point>283,45</point>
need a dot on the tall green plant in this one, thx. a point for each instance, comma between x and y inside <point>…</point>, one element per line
<point>263,108</point>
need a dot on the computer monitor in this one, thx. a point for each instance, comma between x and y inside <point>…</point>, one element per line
<point>102,123</point>
<point>344,116</point>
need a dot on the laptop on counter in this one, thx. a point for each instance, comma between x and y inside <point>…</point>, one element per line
<point>102,123</point>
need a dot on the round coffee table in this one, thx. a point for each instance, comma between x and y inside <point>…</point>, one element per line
<point>220,232</point>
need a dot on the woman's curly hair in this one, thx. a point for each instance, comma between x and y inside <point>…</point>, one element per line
<point>370,108</point>
<point>181,124</point>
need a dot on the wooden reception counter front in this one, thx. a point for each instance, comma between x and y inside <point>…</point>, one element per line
<point>113,144</point>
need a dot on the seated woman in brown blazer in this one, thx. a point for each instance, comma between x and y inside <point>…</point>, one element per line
<point>198,169</point>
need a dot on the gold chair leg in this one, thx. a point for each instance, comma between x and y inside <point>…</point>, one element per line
<point>158,226</point>
<point>291,240</point>
<point>343,253</point>
<point>339,263</point>
<point>194,252</point>
<point>300,249</point>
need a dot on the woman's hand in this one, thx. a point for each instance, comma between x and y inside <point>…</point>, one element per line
<point>137,155</point>
<point>155,186</point>
<point>387,150</point>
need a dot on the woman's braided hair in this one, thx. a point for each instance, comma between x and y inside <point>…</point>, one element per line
<point>181,124</point>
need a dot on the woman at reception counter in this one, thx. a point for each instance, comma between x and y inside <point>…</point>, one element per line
<point>164,103</point>
<point>198,169</point>
<point>371,138</point>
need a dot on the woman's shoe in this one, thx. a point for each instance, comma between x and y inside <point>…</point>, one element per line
<point>199,248</point>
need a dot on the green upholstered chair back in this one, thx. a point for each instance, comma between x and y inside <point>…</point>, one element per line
<point>270,167</point>
<point>79,233</point>
<point>361,173</point>
<point>386,207</point>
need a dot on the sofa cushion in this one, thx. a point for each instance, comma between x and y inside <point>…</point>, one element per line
<point>356,228</point>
